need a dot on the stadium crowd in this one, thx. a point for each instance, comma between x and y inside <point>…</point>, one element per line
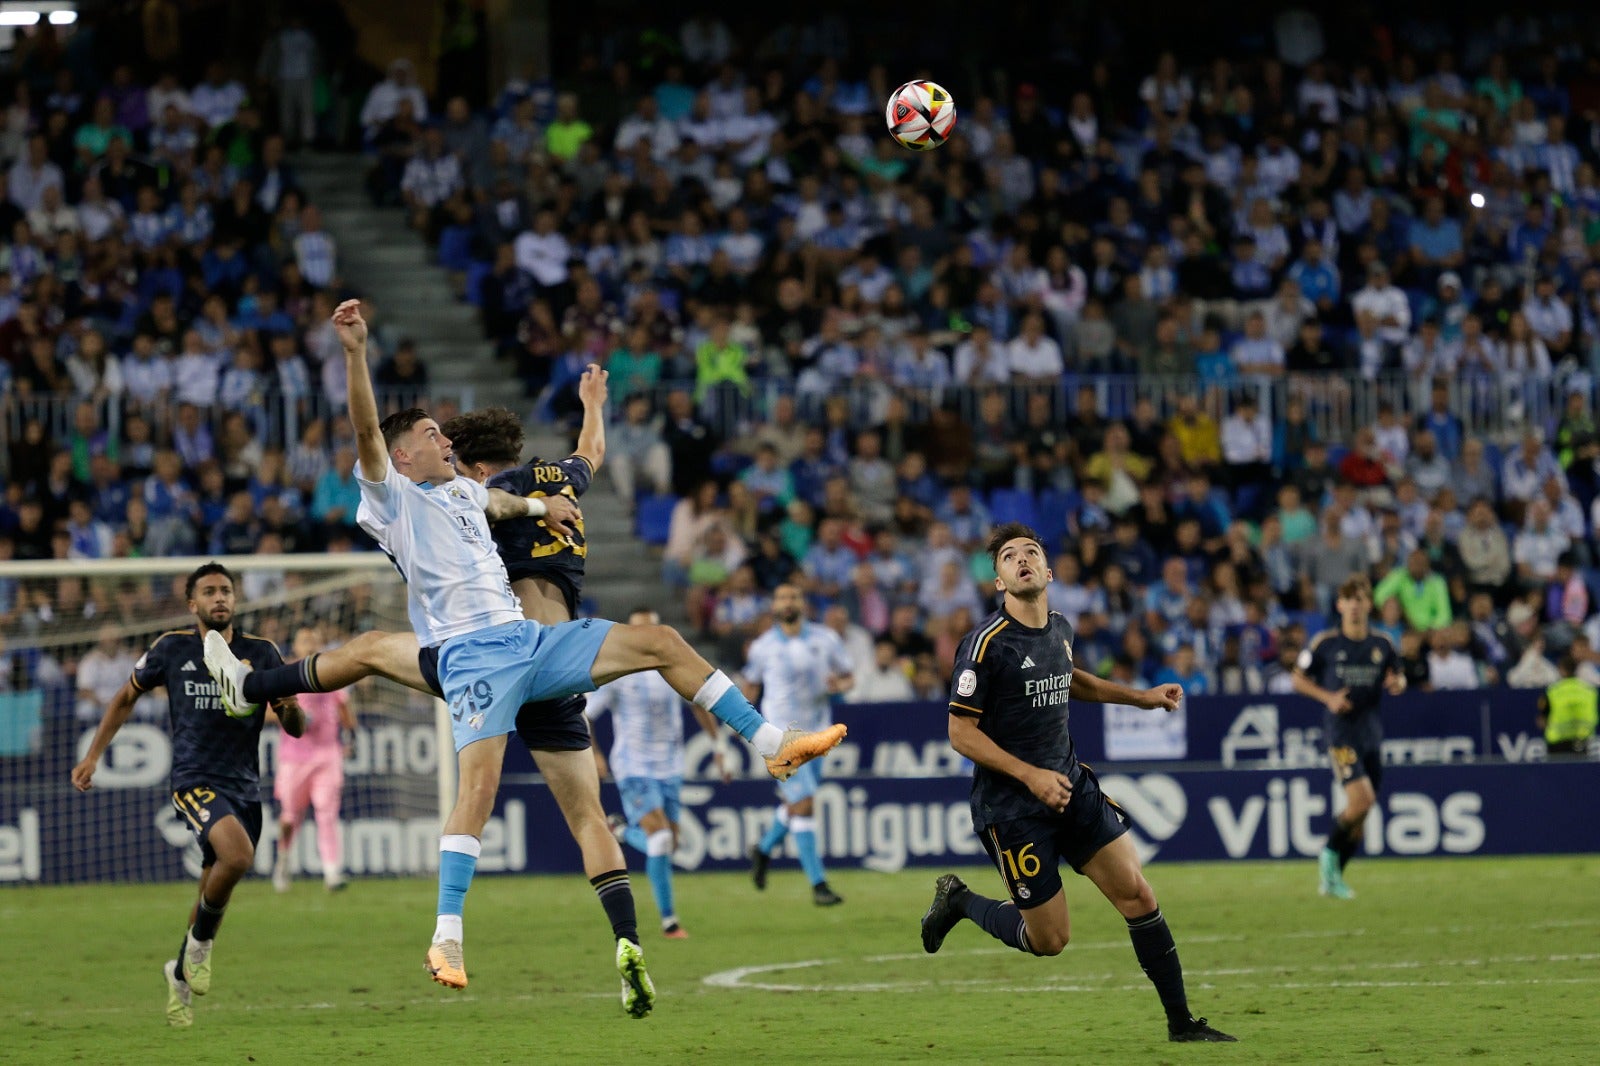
<point>1226,330</point>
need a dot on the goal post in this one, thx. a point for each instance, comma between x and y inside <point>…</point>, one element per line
<point>70,633</point>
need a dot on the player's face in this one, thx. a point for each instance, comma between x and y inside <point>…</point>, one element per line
<point>1355,610</point>
<point>212,602</point>
<point>1020,568</point>
<point>428,451</point>
<point>788,605</point>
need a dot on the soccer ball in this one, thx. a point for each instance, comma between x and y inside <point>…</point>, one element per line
<point>920,115</point>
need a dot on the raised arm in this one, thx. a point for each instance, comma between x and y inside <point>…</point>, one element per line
<point>352,330</point>
<point>117,712</point>
<point>592,437</point>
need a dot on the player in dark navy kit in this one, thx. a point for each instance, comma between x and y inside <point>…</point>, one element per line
<point>1348,670</point>
<point>215,765</point>
<point>1034,805</point>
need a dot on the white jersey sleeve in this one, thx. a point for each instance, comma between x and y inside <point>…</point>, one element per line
<point>380,500</point>
<point>838,655</point>
<point>599,701</point>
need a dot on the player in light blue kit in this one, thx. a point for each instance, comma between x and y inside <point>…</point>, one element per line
<point>796,669</point>
<point>435,526</point>
<point>647,763</point>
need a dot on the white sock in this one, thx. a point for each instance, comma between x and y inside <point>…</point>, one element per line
<point>447,927</point>
<point>330,877</point>
<point>658,843</point>
<point>668,921</point>
<point>767,740</point>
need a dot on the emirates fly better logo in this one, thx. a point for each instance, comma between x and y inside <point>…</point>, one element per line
<point>1154,803</point>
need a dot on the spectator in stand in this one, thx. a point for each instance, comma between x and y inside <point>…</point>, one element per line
<point>1538,547</point>
<point>884,679</point>
<point>386,98</point>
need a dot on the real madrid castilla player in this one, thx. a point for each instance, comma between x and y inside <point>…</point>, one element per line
<point>491,660</point>
<point>215,764</point>
<point>1034,805</point>
<point>1348,670</point>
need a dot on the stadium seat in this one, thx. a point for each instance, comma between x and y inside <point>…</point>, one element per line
<point>653,519</point>
<point>1013,505</point>
<point>455,247</point>
<point>477,274</point>
<point>20,715</point>
<point>1053,509</point>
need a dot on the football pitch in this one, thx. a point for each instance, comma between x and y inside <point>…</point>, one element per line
<point>1435,961</point>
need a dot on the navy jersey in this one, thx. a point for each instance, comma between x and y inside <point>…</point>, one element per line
<point>1014,681</point>
<point>1334,661</point>
<point>208,746</point>
<point>526,545</point>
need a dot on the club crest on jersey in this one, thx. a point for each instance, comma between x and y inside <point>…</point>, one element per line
<point>455,491</point>
<point>476,721</point>
<point>967,683</point>
<point>205,814</point>
<point>1067,646</point>
<point>1023,893</point>
<point>1377,655</point>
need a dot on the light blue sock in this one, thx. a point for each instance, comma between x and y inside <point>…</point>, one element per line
<point>635,838</point>
<point>659,869</point>
<point>722,697</point>
<point>455,877</point>
<point>775,834</point>
<point>805,842</point>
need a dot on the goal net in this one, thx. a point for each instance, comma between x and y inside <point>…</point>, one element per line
<point>70,633</point>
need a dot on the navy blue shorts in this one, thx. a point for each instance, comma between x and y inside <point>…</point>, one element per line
<point>1030,851</point>
<point>202,806</point>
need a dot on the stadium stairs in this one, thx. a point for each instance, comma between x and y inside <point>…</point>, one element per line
<point>381,256</point>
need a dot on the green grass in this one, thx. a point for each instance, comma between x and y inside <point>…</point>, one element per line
<point>1436,961</point>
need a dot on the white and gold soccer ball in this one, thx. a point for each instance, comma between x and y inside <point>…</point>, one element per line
<point>921,115</point>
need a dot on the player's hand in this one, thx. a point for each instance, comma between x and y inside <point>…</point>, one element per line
<point>559,515</point>
<point>592,386</point>
<point>348,323</point>
<point>1163,697</point>
<point>1050,788</point>
<point>1340,702</point>
<point>837,684</point>
<point>1395,683</point>
<point>83,775</point>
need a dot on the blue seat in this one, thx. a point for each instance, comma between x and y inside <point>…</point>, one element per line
<point>653,518</point>
<point>477,273</point>
<point>1336,453</point>
<point>20,715</point>
<point>455,247</point>
<point>1013,505</point>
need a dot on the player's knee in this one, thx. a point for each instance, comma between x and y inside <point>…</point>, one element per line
<point>1049,942</point>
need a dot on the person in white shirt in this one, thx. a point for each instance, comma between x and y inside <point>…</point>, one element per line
<point>1386,303</point>
<point>1247,443</point>
<point>543,252</point>
<point>1539,546</point>
<point>1449,667</point>
<point>101,673</point>
<point>647,125</point>
<point>290,62</point>
<point>884,680</point>
<point>796,669</point>
<point>647,762</point>
<point>1033,355</point>
<point>32,174</point>
<point>472,646</point>
<point>1549,316</point>
<point>1256,352</point>
<point>217,99</point>
<point>383,102</point>
<point>747,136</point>
<point>980,361</point>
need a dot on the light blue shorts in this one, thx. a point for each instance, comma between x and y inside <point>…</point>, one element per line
<point>803,783</point>
<point>641,795</point>
<point>487,675</point>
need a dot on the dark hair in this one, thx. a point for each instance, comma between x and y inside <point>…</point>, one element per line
<point>492,435</point>
<point>399,423</point>
<point>206,571</point>
<point>1353,586</point>
<point>1007,532</point>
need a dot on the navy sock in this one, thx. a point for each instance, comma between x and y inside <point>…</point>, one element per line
<point>1000,920</point>
<point>263,686</point>
<point>1343,842</point>
<point>616,896</point>
<point>206,920</point>
<point>1158,958</point>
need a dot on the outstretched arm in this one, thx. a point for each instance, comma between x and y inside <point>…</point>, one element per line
<point>117,712</point>
<point>557,511</point>
<point>352,330</point>
<point>1086,686</point>
<point>592,437</point>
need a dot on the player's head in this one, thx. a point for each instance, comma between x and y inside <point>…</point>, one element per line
<point>1020,566</point>
<point>643,616</point>
<point>1355,601</point>
<point>417,446</point>
<point>306,642</point>
<point>210,593</point>
<point>485,442</point>
<point>788,604</point>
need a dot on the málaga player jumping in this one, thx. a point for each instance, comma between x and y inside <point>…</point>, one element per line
<point>491,659</point>
<point>1034,805</point>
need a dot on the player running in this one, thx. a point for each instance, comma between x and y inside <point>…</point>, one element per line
<point>1033,803</point>
<point>491,660</point>
<point>647,763</point>
<point>796,668</point>
<point>1347,670</point>
<point>216,782</point>
<point>311,773</point>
